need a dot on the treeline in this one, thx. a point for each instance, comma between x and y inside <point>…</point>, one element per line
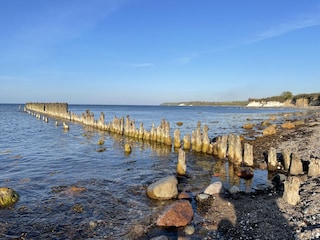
<point>285,96</point>
<point>204,103</point>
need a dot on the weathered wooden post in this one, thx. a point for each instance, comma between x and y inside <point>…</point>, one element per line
<point>286,158</point>
<point>198,147</point>
<point>205,140</point>
<point>238,150</point>
<point>181,166</point>
<point>222,146</point>
<point>291,190</point>
<point>153,133</point>
<point>193,140</point>
<point>231,147</point>
<point>141,131</point>
<point>176,138</point>
<point>187,142</point>
<point>167,136</point>
<point>314,168</point>
<point>127,126</point>
<point>146,135</point>
<point>272,159</point>
<point>248,154</point>
<point>296,164</point>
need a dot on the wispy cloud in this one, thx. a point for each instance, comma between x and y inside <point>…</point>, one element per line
<point>50,24</point>
<point>287,27</point>
<point>141,65</point>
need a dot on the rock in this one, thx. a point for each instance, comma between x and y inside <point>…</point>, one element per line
<point>181,166</point>
<point>291,191</point>
<point>179,214</point>
<point>245,172</point>
<point>214,188</point>
<point>162,237</point>
<point>278,180</point>
<point>269,130</point>
<point>202,197</point>
<point>127,148</point>
<point>248,126</point>
<point>288,125</point>
<point>234,189</point>
<point>8,197</point>
<point>189,230</point>
<point>298,122</point>
<point>184,195</point>
<point>296,167</point>
<point>314,168</point>
<point>163,189</point>
<point>179,123</point>
<point>101,141</point>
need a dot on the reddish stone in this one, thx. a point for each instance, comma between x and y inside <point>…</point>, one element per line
<point>184,195</point>
<point>178,214</point>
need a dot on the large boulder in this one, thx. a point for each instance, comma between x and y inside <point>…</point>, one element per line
<point>179,214</point>
<point>8,197</point>
<point>163,189</point>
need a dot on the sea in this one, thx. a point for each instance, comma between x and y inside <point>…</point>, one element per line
<point>71,187</point>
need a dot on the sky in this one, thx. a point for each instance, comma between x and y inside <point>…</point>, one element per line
<point>153,51</point>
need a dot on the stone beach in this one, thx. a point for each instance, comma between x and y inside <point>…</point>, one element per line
<point>262,214</point>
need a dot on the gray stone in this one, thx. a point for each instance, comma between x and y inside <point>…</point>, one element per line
<point>214,188</point>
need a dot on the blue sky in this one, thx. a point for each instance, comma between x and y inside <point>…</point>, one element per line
<point>154,51</point>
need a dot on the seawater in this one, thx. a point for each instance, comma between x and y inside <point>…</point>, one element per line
<point>42,162</point>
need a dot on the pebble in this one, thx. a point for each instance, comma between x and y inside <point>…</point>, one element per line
<point>189,230</point>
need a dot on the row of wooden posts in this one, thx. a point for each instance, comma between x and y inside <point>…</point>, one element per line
<point>227,146</point>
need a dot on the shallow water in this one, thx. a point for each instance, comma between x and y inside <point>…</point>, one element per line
<point>42,162</point>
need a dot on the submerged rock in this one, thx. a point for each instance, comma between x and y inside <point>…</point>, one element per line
<point>8,197</point>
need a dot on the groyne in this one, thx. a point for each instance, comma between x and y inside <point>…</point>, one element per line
<point>222,147</point>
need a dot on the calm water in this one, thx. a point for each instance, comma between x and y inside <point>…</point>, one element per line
<point>42,162</point>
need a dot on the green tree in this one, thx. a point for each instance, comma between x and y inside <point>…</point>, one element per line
<point>286,95</point>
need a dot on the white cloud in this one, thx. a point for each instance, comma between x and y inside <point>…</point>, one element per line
<point>287,27</point>
<point>142,65</point>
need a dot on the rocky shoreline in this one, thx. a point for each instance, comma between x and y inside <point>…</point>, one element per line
<point>263,214</point>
